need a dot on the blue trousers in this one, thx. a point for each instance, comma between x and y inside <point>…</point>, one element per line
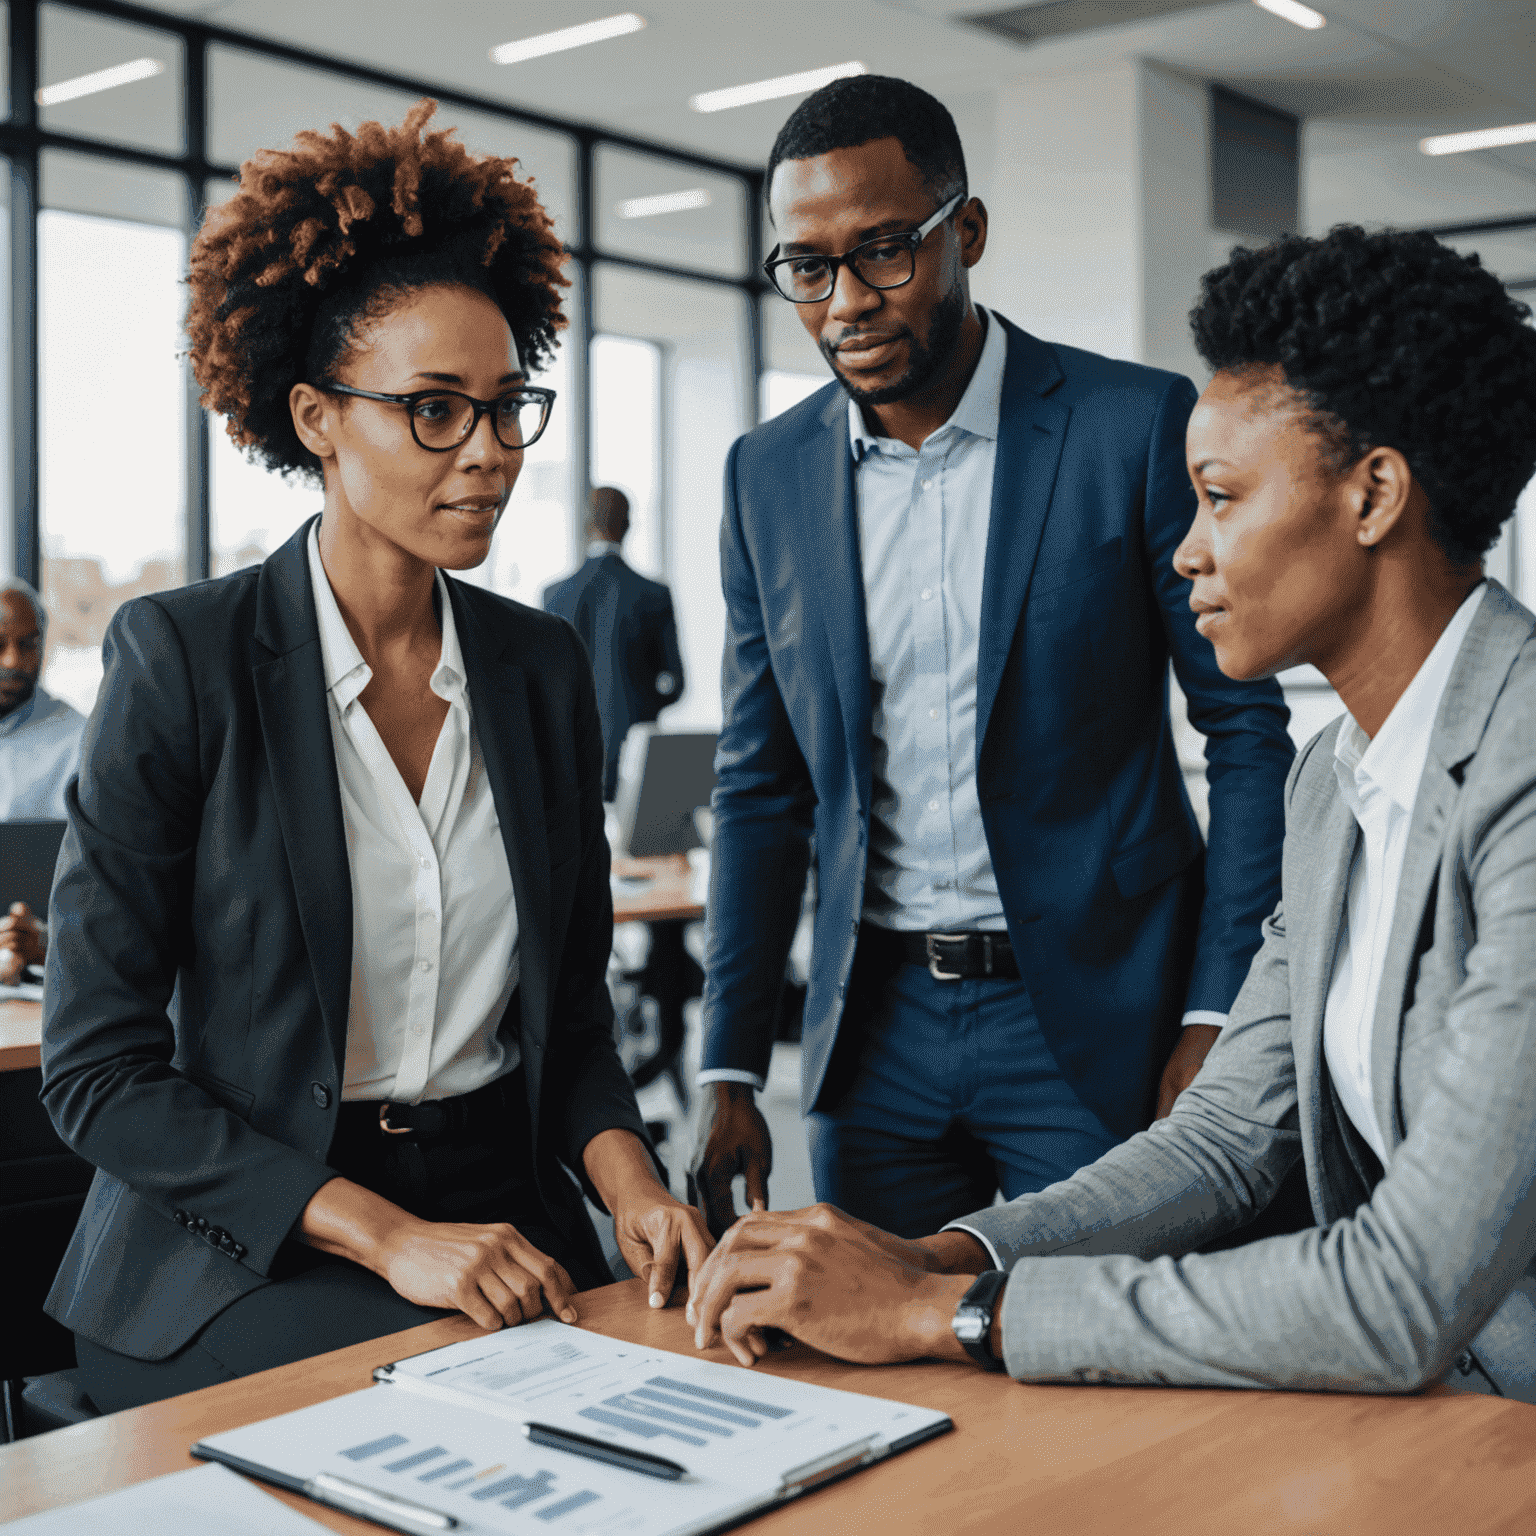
<point>953,1095</point>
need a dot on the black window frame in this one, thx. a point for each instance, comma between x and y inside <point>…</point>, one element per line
<point>23,140</point>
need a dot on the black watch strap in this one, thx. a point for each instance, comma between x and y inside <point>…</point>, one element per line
<point>972,1321</point>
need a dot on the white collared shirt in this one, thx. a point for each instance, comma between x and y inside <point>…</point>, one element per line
<point>1379,778</point>
<point>434,921</point>
<point>923,517</point>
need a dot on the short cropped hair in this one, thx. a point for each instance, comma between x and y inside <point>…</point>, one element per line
<point>863,108</point>
<point>34,598</point>
<point>331,234</point>
<point>1392,340</point>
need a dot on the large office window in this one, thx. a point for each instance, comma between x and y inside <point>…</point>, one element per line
<point>112,400</point>
<point>626,439</point>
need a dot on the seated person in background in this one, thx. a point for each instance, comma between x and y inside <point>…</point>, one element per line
<point>625,621</point>
<point>39,751</point>
<point>347,811</point>
<point>1371,422</point>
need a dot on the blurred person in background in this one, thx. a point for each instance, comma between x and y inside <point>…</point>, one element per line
<point>39,752</point>
<point>326,1005</point>
<point>625,621</point>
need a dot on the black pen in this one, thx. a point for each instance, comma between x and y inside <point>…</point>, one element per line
<point>601,1450</point>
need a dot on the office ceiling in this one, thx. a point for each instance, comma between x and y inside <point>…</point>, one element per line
<point>1417,65</point>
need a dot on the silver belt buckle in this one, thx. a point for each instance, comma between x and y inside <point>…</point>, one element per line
<point>933,959</point>
<point>393,1130</point>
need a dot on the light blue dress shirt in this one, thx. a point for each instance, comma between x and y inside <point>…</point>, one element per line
<point>923,516</point>
<point>39,755</point>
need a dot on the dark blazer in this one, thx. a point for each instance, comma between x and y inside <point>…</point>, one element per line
<point>625,621</point>
<point>194,1029</point>
<point>1119,918</point>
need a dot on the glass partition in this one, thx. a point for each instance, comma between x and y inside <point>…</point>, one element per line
<point>112,404</point>
<point>626,440</point>
<point>669,212</point>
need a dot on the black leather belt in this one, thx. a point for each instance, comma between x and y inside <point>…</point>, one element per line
<point>463,1115</point>
<point>961,956</point>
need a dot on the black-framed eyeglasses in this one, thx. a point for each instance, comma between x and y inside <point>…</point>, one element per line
<point>887,261</point>
<point>443,419</point>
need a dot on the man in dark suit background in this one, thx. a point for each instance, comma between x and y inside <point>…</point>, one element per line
<point>625,621</point>
<point>951,608</point>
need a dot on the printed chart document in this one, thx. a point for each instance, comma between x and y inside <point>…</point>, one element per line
<point>201,1498</point>
<point>444,1431</point>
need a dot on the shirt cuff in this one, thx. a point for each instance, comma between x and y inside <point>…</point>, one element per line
<point>729,1075</point>
<point>981,1237</point>
<point>1205,1016</point>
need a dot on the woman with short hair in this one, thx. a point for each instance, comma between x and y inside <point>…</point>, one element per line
<point>327,1005</point>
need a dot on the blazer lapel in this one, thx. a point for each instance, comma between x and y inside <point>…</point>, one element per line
<point>498,699</point>
<point>1499,628</point>
<point>833,570</point>
<point>301,760</point>
<point>1314,929</point>
<point>1031,432</point>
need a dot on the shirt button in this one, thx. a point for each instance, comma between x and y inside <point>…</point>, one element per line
<point>417,1029</point>
<point>424,965</point>
<point>933,805</point>
<point>321,1094</point>
<point>927,593</point>
<point>426,863</point>
<point>933,714</point>
<point>927,485</point>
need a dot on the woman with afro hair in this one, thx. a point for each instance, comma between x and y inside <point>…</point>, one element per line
<point>1370,424</point>
<point>326,1006</point>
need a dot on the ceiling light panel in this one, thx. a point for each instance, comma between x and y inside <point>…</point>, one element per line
<point>1479,138</point>
<point>664,202</point>
<point>771,90</point>
<point>567,37</point>
<point>99,80</point>
<point>1292,11</point>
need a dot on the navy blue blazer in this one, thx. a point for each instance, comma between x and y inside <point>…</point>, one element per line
<point>195,1021</point>
<point>625,621</point>
<point>1120,918</point>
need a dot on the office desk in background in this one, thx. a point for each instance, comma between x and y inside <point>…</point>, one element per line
<point>1021,1458</point>
<point>21,1035</point>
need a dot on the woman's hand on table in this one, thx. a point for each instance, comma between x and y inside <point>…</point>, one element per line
<point>491,1272</point>
<point>21,942</point>
<point>658,1236</point>
<point>831,1281</point>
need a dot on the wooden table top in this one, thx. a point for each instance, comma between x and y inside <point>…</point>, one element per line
<point>667,895</point>
<point>21,1034</point>
<point>1022,1458</point>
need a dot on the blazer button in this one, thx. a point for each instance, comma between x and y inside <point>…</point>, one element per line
<point>322,1095</point>
<point>180,1218</point>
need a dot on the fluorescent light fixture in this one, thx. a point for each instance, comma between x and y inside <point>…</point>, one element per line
<point>1479,138</point>
<point>567,37</point>
<point>1294,12</point>
<point>100,80</point>
<point>664,202</point>
<point>769,90</point>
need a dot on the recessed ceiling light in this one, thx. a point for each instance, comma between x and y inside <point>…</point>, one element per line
<point>664,202</point>
<point>1294,12</point>
<point>100,80</point>
<point>1479,138</point>
<point>566,37</point>
<point>768,90</point>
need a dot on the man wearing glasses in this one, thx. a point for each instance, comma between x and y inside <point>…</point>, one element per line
<point>950,612</point>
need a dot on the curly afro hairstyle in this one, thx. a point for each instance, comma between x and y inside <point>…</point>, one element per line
<point>1392,340</point>
<point>330,234</point>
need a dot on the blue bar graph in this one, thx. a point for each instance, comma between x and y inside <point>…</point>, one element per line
<point>638,1426</point>
<point>630,1404</point>
<point>688,1389</point>
<point>415,1459</point>
<point>373,1447</point>
<point>696,1406</point>
<point>566,1506</point>
<point>444,1470</point>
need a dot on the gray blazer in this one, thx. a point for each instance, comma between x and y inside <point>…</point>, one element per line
<point>1423,1271</point>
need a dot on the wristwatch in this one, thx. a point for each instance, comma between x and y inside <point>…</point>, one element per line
<point>973,1318</point>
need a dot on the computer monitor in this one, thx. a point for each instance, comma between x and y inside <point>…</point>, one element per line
<point>28,852</point>
<point>664,776</point>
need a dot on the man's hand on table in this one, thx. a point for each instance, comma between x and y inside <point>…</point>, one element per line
<point>732,1137</point>
<point>21,942</point>
<point>831,1281</point>
<point>1194,1044</point>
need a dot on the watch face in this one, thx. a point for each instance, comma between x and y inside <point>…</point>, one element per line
<point>970,1325</point>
